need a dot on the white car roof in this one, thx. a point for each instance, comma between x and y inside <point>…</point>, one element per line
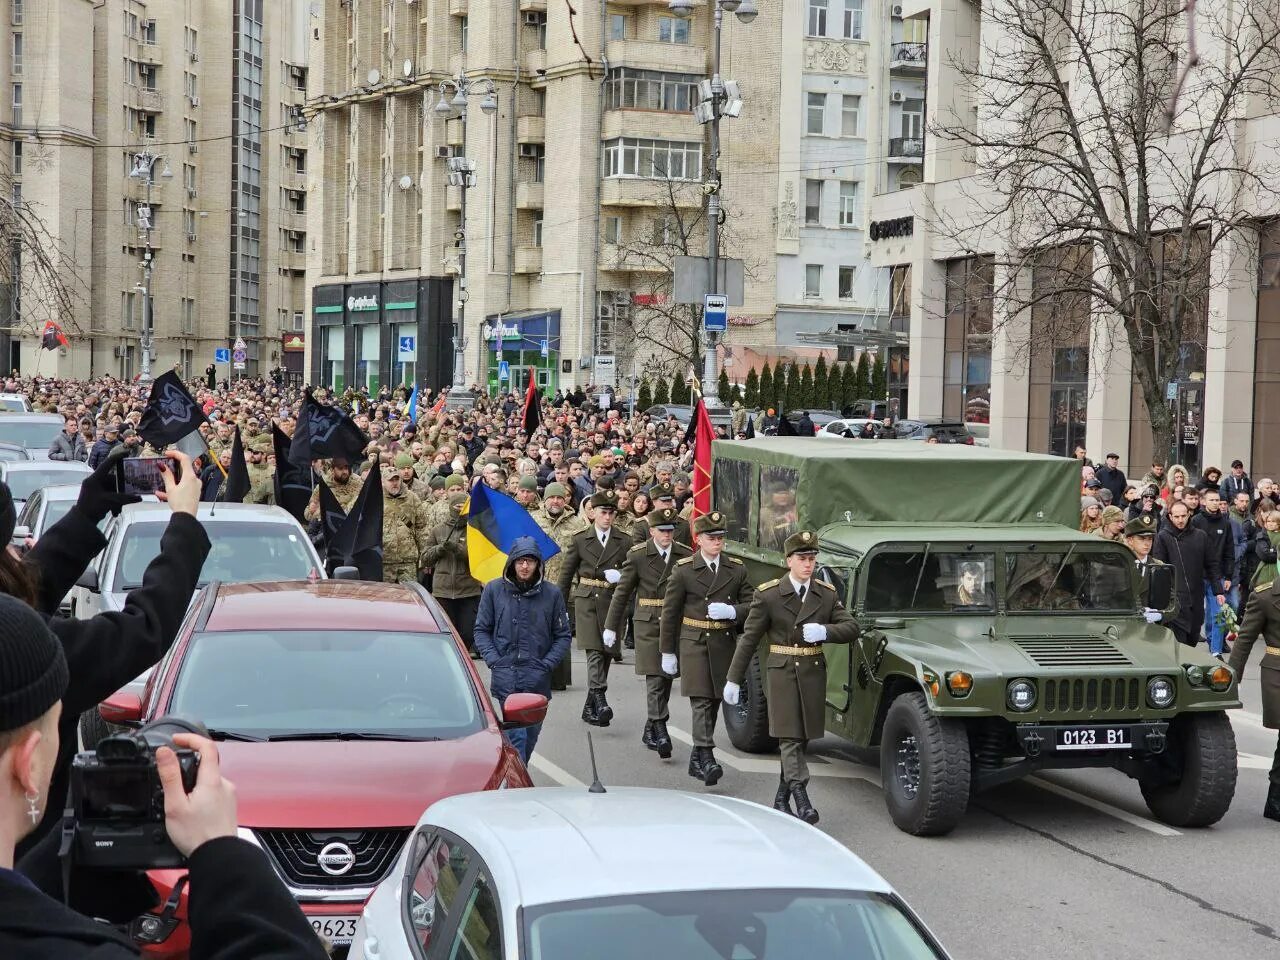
<point>553,844</point>
<point>61,491</point>
<point>153,511</point>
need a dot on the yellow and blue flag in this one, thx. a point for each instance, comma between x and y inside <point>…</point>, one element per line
<point>411,407</point>
<point>494,523</point>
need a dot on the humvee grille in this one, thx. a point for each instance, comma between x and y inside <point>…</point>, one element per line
<point>1071,652</point>
<point>1093,695</point>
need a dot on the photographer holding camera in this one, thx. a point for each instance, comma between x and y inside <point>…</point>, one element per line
<point>237,907</point>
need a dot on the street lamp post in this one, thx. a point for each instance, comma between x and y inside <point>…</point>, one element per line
<point>462,174</point>
<point>144,169</point>
<point>723,101</point>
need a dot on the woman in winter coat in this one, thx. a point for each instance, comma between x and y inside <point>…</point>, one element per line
<point>1266,541</point>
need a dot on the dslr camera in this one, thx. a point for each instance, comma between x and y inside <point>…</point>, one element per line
<point>116,815</point>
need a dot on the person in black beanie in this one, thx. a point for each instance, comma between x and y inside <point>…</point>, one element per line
<point>237,906</point>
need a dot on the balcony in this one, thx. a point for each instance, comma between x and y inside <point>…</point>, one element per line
<point>453,134</point>
<point>293,260</point>
<point>291,179</point>
<point>909,56</point>
<point>149,53</point>
<point>535,61</point>
<point>528,260</point>
<point>697,4</point>
<point>531,129</point>
<point>906,150</point>
<point>638,192</point>
<point>293,96</point>
<point>651,124</point>
<point>292,219</point>
<point>533,6</point>
<point>146,100</point>
<point>651,55</point>
<point>136,237</point>
<point>457,8</point>
<point>616,259</point>
<point>528,195</point>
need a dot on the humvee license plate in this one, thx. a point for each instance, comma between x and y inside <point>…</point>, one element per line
<point>1094,738</point>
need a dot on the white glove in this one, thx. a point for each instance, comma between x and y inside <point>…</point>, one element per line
<point>670,665</point>
<point>721,611</point>
<point>613,576</point>
<point>609,638</point>
<point>814,633</point>
<point>1152,615</point>
<point>731,693</point>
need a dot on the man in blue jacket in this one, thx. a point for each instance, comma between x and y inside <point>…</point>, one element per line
<point>522,631</point>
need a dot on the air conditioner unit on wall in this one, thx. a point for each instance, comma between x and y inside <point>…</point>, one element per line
<point>530,150</point>
<point>897,96</point>
<point>533,19</point>
<point>118,352</point>
<point>444,153</point>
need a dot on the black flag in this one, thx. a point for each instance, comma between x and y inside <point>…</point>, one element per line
<point>323,432</point>
<point>531,418</point>
<point>785,427</point>
<point>237,484</point>
<point>171,413</point>
<point>292,482</point>
<point>332,517</point>
<point>749,433</point>
<point>355,539</point>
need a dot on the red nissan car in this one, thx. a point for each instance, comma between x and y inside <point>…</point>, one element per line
<point>343,709</point>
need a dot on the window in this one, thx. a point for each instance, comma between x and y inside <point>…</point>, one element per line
<point>298,77</point>
<point>818,18</point>
<point>656,159</point>
<point>618,26</point>
<point>479,928</point>
<point>632,89</point>
<point>849,107</point>
<point>613,230</point>
<point>189,222</point>
<point>130,25</point>
<point>436,882</point>
<point>664,231</point>
<point>17,104</point>
<point>148,31</point>
<point>295,241</point>
<point>189,38</point>
<point>673,30</point>
<point>16,64</point>
<point>16,165</point>
<point>815,112</point>
<point>851,27</point>
<point>966,380</point>
<point>930,580</point>
<point>778,517</point>
<point>813,202</point>
<point>813,280</point>
<point>147,76</point>
<point>189,179</point>
<point>913,119</point>
<point>147,124</point>
<point>846,283</point>
<point>462,30</point>
<point>127,310</point>
<point>848,202</point>
<point>188,315</point>
<point>537,232</point>
<point>15,11</point>
<point>189,85</point>
<point>295,201</point>
<point>731,485</point>
<point>190,127</point>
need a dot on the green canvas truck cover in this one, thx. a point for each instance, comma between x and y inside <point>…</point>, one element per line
<point>770,485</point>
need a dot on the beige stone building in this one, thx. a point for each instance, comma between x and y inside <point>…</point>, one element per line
<point>212,89</point>
<point>590,159</point>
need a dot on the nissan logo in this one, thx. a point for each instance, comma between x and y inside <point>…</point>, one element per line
<point>336,859</point>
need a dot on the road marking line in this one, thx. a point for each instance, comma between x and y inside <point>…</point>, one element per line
<point>1253,761</point>
<point>1151,826</point>
<point>559,775</point>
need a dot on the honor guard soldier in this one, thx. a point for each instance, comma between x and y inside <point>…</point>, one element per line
<point>707,598</point>
<point>1262,619</point>
<point>595,556</point>
<point>644,577</point>
<point>798,615</point>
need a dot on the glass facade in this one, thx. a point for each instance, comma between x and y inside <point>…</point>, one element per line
<point>518,341</point>
<point>966,384</point>
<point>246,177</point>
<point>333,343</point>
<point>367,355</point>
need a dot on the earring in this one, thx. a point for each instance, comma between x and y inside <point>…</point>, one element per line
<point>33,807</point>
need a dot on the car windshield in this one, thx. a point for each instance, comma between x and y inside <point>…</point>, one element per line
<point>280,682</point>
<point>23,483</point>
<point>13,405</point>
<point>13,454</point>
<point>57,509</point>
<point>726,925</point>
<point>241,553</point>
<point>1069,580</point>
<point>931,581</point>
<point>26,433</point>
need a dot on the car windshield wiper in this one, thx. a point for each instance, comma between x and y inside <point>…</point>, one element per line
<point>346,735</point>
<point>234,735</point>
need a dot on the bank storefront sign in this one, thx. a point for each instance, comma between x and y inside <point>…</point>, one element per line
<point>498,329</point>
<point>366,302</point>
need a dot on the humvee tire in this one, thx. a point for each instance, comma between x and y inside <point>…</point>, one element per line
<point>924,767</point>
<point>748,722</point>
<point>1205,745</point>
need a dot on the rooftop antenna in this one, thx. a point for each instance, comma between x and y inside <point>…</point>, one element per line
<point>596,785</point>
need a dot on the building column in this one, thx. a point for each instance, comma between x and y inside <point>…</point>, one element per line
<point>1229,355</point>
<point>1110,391</point>
<point>1010,360</point>
<point>927,337</point>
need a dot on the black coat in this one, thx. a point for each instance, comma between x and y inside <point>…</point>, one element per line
<point>1222,539</point>
<point>237,909</point>
<point>1113,480</point>
<point>1188,551</point>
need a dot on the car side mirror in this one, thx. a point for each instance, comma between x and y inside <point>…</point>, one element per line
<point>523,710</point>
<point>20,534</point>
<point>1159,586</point>
<point>122,708</point>
<point>346,573</point>
<point>89,580</point>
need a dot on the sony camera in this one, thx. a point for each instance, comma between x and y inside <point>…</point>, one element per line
<point>116,815</point>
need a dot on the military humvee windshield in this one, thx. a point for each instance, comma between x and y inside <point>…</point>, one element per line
<point>1069,581</point>
<point>931,581</point>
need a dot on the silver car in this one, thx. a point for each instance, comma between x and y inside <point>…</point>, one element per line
<point>25,477</point>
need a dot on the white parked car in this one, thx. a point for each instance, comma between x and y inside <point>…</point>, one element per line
<point>630,874</point>
<point>25,477</point>
<point>835,430</point>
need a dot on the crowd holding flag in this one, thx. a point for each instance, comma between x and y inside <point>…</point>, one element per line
<point>531,417</point>
<point>494,523</point>
<point>293,483</point>
<point>324,432</point>
<point>238,484</point>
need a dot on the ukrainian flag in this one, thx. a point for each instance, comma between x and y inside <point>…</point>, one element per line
<point>411,407</point>
<point>494,523</point>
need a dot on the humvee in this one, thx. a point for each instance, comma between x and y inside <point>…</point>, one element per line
<point>997,640</point>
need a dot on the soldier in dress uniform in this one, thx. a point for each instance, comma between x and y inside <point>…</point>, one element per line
<point>595,557</point>
<point>707,599</point>
<point>798,614</point>
<point>1262,619</point>
<point>662,496</point>
<point>644,577</point>
<point>1139,534</point>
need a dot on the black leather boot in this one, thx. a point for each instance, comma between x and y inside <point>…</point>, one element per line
<point>589,713</point>
<point>647,737</point>
<point>696,764</point>
<point>1272,810</point>
<point>711,771</point>
<point>782,799</point>
<point>661,739</point>
<point>804,809</point>
<point>604,712</point>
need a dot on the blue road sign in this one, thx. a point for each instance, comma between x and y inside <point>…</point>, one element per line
<point>221,354</point>
<point>504,370</point>
<point>407,344</point>
<point>545,347</point>
<point>715,313</point>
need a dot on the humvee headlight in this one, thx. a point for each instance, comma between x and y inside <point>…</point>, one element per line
<point>1021,695</point>
<point>1220,678</point>
<point>959,684</point>
<point>1195,675</point>
<point>1160,691</point>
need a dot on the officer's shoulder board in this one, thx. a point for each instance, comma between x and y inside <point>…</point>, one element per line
<point>734,560</point>
<point>1262,588</point>
<point>823,583</point>
<point>637,547</point>
<point>768,584</point>
<point>682,560</point>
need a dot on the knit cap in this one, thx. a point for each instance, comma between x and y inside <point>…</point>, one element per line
<point>33,670</point>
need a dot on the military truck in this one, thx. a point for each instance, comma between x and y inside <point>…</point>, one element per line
<point>997,640</point>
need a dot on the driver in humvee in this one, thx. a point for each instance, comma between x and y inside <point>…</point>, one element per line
<point>1035,589</point>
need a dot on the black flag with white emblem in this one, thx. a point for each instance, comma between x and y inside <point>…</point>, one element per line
<point>171,412</point>
<point>323,432</point>
<point>292,482</point>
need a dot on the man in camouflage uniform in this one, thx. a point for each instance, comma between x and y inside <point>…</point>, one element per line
<point>404,529</point>
<point>438,510</point>
<point>344,483</point>
<point>560,524</point>
<point>527,493</point>
<point>262,487</point>
<point>445,550</point>
<point>409,479</point>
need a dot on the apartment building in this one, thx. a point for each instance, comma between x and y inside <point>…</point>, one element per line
<point>208,93</point>
<point>585,166</point>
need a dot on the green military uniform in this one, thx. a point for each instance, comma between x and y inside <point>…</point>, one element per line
<point>795,667</point>
<point>705,644</point>
<point>404,533</point>
<point>344,493</point>
<point>561,528</point>
<point>590,561</point>
<point>665,492</point>
<point>644,578</point>
<point>1262,619</point>
<point>445,551</point>
<point>262,487</point>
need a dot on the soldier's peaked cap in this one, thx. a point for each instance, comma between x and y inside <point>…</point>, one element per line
<point>802,541</point>
<point>605,498</point>
<point>712,523</point>
<point>664,519</point>
<point>1143,525</point>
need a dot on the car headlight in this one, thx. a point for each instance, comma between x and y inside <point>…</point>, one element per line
<point>1195,674</point>
<point>1220,678</point>
<point>1160,692</point>
<point>1021,695</point>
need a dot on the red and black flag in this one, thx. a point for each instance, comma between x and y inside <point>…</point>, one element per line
<point>53,337</point>
<point>700,434</point>
<point>531,416</point>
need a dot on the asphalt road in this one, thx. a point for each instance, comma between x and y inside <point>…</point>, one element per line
<point>1061,867</point>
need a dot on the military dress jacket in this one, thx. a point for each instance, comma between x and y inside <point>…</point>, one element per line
<point>705,646</point>
<point>1262,619</point>
<point>644,578</point>
<point>795,672</point>
<point>586,560</point>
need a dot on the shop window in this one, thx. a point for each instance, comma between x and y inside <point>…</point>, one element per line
<point>778,507</point>
<point>967,361</point>
<point>731,495</point>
